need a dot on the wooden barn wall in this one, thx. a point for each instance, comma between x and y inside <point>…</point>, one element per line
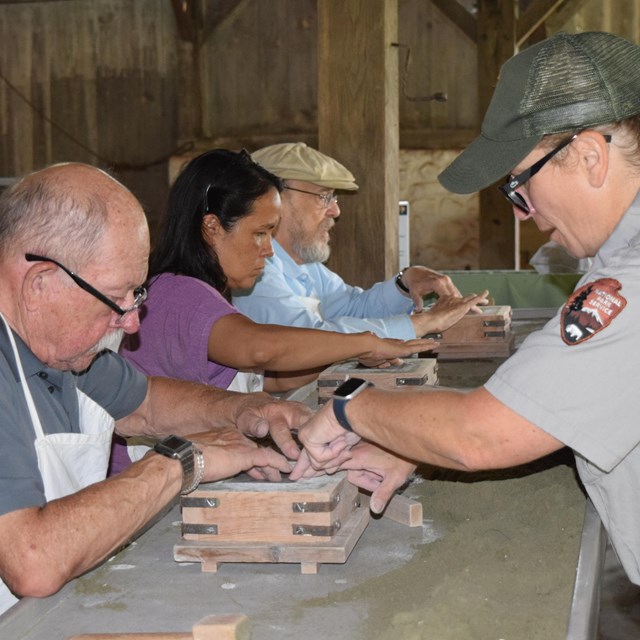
<point>278,102</point>
<point>259,73</point>
<point>103,81</point>
<point>91,81</point>
<point>259,85</point>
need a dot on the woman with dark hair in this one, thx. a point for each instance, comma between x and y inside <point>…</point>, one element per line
<point>211,195</point>
<point>215,237</point>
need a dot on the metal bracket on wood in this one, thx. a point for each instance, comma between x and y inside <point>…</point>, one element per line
<point>310,530</point>
<point>316,507</point>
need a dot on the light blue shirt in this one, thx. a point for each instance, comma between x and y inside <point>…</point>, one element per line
<point>312,296</point>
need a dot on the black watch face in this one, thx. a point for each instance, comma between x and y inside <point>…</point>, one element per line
<point>348,387</point>
<point>174,443</point>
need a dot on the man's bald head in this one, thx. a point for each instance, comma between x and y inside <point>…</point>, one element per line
<point>64,210</point>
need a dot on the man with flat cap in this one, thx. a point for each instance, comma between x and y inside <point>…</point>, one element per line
<point>563,126</point>
<point>298,290</point>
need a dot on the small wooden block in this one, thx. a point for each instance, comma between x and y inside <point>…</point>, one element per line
<point>309,568</point>
<point>133,636</point>
<point>412,374</point>
<point>217,627</point>
<point>492,324</point>
<point>478,335</point>
<point>400,509</point>
<point>477,350</point>
<point>222,627</point>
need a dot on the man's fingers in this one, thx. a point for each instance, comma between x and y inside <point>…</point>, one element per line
<point>381,496</point>
<point>281,435</point>
<point>363,479</point>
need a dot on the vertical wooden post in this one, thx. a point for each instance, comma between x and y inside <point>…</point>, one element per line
<point>496,44</point>
<point>358,125</point>
<point>189,82</point>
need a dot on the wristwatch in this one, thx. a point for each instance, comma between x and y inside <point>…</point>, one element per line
<point>400,284</point>
<point>348,390</point>
<point>190,458</point>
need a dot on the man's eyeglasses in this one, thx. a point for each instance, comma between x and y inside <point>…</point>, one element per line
<point>139,293</point>
<point>508,189</point>
<point>326,198</point>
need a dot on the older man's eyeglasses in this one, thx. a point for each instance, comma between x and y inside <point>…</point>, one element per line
<point>139,293</point>
<point>508,189</point>
<point>326,198</point>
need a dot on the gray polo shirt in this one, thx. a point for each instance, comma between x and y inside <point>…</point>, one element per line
<point>586,392</point>
<point>110,381</point>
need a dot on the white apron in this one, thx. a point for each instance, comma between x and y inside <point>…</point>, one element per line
<point>247,382</point>
<point>68,462</point>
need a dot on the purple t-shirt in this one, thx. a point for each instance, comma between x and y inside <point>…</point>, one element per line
<point>173,340</point>
<point>175,323</point>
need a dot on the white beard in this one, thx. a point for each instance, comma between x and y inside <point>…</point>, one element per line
<point>110,341</point>
<point>312,253</point>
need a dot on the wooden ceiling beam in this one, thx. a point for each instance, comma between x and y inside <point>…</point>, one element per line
<point>568,9</point>
<point>534,17</point>
<point>197,21</point>
<point>459,15</point>
<point>183,10</point>
<point>220,13</point>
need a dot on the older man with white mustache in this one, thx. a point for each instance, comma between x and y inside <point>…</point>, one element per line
<point>297,290</point>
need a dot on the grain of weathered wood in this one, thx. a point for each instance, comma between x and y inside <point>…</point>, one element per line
<point>358,125</point>
<point>309,554</point>
<point>488,334</point>
<point>534,16</point>
<point>214,627</point>
<point>133,636</point>
<point>496,44</point>
<point>268,512</point>
<point>222,627</point>
<point>116,76</point>
<point>462,18</point>
<point>479,327</point>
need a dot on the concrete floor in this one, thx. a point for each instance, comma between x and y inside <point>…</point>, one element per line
<point>620,599</point>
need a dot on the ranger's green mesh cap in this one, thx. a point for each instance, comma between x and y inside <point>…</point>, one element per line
<point>565,83</point>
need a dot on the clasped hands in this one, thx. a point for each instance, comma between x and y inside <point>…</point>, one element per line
<point>327,448</point>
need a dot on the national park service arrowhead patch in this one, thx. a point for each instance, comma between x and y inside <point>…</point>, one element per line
<point>590,309</point>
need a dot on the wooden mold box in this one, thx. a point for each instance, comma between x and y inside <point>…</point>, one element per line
<point>476,335</point>
<point>317,520</point>
<point>410,375</point>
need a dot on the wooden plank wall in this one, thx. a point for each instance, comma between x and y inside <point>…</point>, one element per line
<point>109,73</point>
<point>259,73</point>
<point>260,69</point>
<point>351,32</point>
<point>104,72</point>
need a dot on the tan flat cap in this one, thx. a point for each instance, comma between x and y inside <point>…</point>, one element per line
<point>297,161</point>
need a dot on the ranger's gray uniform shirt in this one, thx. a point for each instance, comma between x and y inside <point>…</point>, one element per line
<point>587,394</point>
<point>110,381</point>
